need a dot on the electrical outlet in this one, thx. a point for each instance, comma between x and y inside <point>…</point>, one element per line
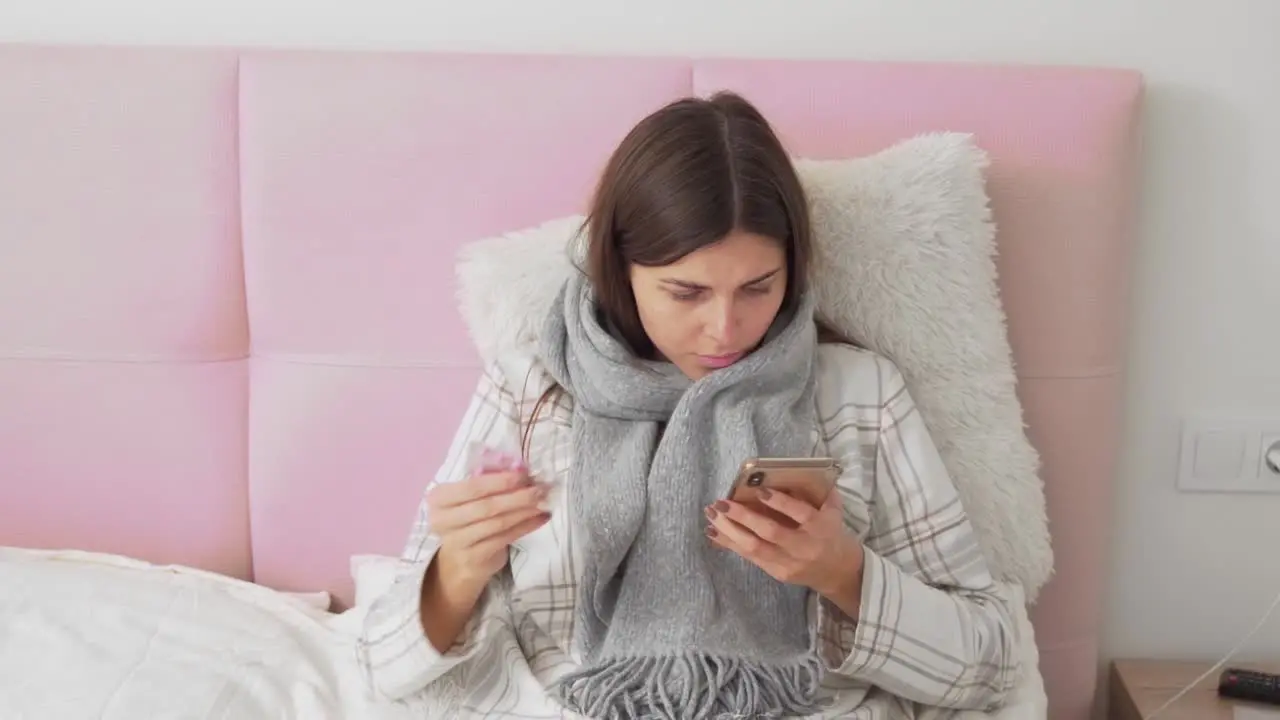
<point>1227,454</point>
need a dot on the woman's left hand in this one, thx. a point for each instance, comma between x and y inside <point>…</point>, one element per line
<point>818,553</point>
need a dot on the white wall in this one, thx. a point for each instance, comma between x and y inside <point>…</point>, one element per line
<point>1190,572</point>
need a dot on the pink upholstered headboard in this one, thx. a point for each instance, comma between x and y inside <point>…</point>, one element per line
<point>228,335</point>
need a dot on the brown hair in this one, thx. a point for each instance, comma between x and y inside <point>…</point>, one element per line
<point>684,178</point>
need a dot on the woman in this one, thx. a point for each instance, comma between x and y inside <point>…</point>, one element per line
<point>689,344</point>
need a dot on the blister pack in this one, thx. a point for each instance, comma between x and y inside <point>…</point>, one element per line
<point>483,458</point>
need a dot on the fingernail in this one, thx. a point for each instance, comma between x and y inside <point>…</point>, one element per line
<point>765,494</point>
<point>712,533</point>
<point>711,513</point>
<point>721,506</point>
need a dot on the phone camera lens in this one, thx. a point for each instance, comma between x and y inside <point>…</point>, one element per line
<point>755,479</point>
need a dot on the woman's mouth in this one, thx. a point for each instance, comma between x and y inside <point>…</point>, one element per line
<point>719,361</point>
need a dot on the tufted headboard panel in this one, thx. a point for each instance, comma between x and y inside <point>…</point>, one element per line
<point>228,330</point>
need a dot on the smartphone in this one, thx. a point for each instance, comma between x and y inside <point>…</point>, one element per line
<point>808,479</point>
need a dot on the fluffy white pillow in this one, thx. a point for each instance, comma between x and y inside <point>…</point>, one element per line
<point>905,265</point>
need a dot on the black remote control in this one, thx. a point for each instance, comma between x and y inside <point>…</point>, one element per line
<point>1253,685</point>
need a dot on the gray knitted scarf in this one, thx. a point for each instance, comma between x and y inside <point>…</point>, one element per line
<point>672,626</point>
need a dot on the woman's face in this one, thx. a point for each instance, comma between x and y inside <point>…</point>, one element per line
<point>709,309</point>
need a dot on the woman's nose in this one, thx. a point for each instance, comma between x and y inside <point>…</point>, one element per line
<point>722,323</point>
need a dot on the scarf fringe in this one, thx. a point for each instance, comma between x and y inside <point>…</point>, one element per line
<point>692,686</point>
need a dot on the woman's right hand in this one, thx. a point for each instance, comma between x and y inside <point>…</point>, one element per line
<point>477,519</point>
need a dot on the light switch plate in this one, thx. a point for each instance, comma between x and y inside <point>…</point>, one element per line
<point>1224,454</point>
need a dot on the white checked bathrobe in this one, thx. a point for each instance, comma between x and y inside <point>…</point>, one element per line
<point>935,632</point>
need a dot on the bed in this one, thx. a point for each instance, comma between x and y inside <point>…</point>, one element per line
<point>230,354</point>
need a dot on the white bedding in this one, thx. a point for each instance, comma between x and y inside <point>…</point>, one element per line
<point>88,635</point>
<point>98,636</point>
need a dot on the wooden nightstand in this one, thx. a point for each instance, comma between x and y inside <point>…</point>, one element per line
<point>1138,687</point>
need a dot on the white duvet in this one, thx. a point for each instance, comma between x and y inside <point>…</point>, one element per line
<point>89,635</point>
<point>97,636</point>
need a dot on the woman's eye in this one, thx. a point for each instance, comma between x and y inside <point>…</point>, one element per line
<point>691,295</point>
